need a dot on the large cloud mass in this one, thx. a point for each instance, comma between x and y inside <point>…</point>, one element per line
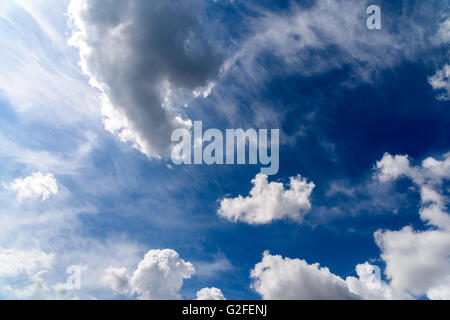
<point>140,54</point>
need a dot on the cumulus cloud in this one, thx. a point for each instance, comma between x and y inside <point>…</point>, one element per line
<point>158,276</point>
<point>143,55</point>
<point>210,294</point>
<point>268,202</point>
<point>417,261</point>
<point>278,278</point>
<point>35,186</point>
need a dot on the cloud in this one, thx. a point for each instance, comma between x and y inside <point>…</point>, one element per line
<point>35,186</point>
<point>369,285</point>
<point>143,56</point>
<point>442,36</point>
<point>158,276</point>
<point>428,177</point>
<point>302,38</point>
<point>210,294</point>
<point>440,82</point>
<point>417,261</point>
<point>117,279</point>
<point>14,262</point>
<point>213,268</point>
<point>268,202</point>
<point>278,278</point>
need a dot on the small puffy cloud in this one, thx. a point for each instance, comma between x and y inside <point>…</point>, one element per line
<point>275,278</point>
<point>268,202</point>
<point>390,168</point>
<point>35,186</point>
<point>147,58</point>
<point>210,294</point>
<point>158,276</point>
<point>440,82</point>
<point>14,262</point>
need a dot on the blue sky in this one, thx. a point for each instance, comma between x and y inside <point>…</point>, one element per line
<point>89,93</point>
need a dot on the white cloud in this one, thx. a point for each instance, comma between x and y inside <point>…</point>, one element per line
<point>390,167</point>
<point>281,278</point>
<point>210,294</point>
<point>15,262</point>
<point>369,285</point>
<point>441,82</point>
<point>442,36</point>
<point>268,202</point>
<point>142,56</point>
<point>159,275</point>
<point>275,278</point>
<point>35,186</point>
<point>428,177</point>
<point>417,261</point>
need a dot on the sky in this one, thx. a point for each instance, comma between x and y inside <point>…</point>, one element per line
<point>94,207</point>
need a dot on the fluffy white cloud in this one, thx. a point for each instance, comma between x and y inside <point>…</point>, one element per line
<point>210,294</point>
<point>15,262</point>
<point>281,278</point>
<point>143,55</point>
<point>159,275</point>
<point>275,278</point>
<point>417,261</point>
<point>269,201</point>
<point>35,186</point>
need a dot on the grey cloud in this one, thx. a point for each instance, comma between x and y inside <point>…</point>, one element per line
<point>138,52</point>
